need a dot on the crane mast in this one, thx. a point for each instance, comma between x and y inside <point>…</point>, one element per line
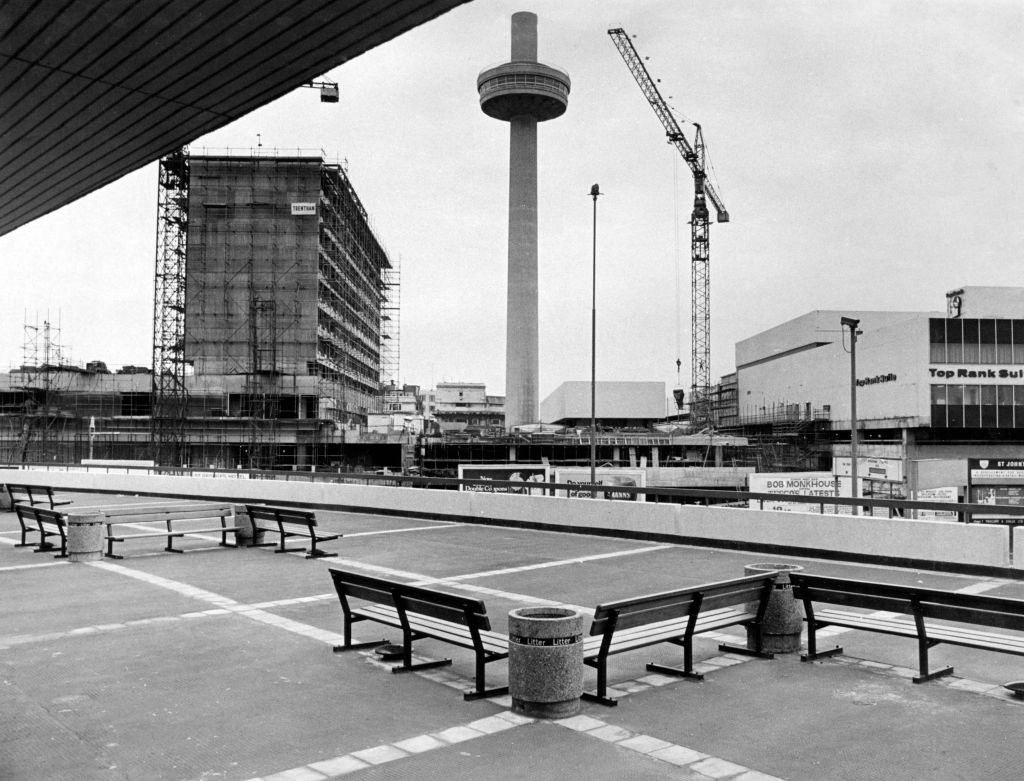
<point>700,299</point>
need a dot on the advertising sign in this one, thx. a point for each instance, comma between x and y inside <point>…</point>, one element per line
<point>799,483</point>
<point>996,469</point>
<point>946,494</point>
<point>998,482</point>
<point>604,476</point>
<point>303,208</point>
<point>889,470</point>
<point>532,476</point>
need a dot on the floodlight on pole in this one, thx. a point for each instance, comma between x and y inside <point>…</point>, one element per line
<point>328,90</point>
<point>594,192</point>
<point>851,323</point>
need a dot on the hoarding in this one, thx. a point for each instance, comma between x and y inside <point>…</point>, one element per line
<point>889,470</point>
<point>799,483</point>
<point>607,477</point>
<point>945,494</point>
<point>998,482</point>
<point>533,477</point>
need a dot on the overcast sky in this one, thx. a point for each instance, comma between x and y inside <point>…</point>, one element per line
<point>870,154</point>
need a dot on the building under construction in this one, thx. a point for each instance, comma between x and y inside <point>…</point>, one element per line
<point>275,329</point>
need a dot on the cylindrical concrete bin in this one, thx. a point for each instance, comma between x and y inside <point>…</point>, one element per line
<point>85,537</point>
<point>784,619</point>
<point>545,661</point>
<point>245,537</point>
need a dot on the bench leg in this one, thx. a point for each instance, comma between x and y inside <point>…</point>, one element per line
<point>810,657</point>
<point>742,649</point>
<point>317,553</point>
<point>922,654</point>
<point>601,696</point>
<point>407,668</point>
<point>681,673</point>
<point>481,691</point>
<point>350,646</point>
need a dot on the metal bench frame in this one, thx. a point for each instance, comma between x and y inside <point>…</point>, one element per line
<point>923,606</point>
<point>676,617</point>
<point>421,613</point>
<point>288,522</point>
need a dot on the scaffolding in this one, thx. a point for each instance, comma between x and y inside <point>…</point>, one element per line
<point>272,342</point>
<point>170,397</point>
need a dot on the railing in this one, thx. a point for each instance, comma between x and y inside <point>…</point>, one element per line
<point>893,508</point>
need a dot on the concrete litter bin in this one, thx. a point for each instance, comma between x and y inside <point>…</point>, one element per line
<point>784,619</point>
<point>545,661</point>
<point>85,537</point>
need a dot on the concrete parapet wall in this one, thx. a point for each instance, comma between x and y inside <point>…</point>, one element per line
<point>859,538</point>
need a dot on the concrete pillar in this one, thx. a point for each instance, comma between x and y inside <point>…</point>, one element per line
<point>522,348</point>
<point>85,537</point>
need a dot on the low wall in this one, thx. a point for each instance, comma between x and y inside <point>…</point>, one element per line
<point>930,544</point>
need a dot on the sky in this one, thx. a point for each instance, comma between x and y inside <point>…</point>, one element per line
<point>870,155</point>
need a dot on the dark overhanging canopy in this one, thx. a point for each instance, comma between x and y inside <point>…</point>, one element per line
<point>93,89</point>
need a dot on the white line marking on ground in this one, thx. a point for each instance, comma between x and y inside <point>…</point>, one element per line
<point>983,586</point>
<point>398,531</point>
<point>33,566</point>
<point>543,565</point>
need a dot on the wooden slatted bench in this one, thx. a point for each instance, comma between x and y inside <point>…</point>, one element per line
<point>47,522</point>
<point>178,519</point>
<point>288,522</point>
<point>421,613</point>
<point>36,495</point>
<point>675,617</point>
<point>918,609</point>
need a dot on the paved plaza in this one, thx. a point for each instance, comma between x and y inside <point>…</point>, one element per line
<point>217,664</point>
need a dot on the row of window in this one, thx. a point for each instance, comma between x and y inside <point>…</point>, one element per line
<point>973,340</point>
<point>977,406</point>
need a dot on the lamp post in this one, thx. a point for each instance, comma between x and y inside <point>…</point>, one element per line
<point>594,192</point>
<point>849,322</point>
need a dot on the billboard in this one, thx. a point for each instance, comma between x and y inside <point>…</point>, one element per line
<point>799,483</point>
<point>998,482</point>
<point>608,477</point>
<point>533,477</point>
<point>944,494</point>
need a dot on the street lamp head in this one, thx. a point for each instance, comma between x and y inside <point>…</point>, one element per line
<point>595,191</point>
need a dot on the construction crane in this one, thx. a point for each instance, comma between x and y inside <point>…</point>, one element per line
<point>700,299</point>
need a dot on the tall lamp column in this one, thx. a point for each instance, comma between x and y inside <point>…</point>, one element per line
<point>851,323</point>
<point>594,192</point>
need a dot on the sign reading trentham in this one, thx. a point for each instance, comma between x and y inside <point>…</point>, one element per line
<point>303,208</point>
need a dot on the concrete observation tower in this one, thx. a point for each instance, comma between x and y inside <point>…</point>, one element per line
<point>522,92</point>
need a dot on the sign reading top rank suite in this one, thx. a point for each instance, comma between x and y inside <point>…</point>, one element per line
<point>798,483</point>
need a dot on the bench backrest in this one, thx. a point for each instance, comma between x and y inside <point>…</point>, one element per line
<point>435,604</point>
<point>668,605</point>
<point>281,515</point>
<point>982,609</point>
<point>33,494</point>
<point>39,514</point>
<point>360,586</point>
<point>448,607</point>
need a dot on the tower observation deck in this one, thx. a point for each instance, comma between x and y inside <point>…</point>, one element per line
<point>522,92</point>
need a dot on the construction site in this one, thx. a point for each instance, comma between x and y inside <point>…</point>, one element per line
<point>276,324</point>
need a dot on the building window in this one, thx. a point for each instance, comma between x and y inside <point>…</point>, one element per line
<point>938,406</point>
<point>977,406</point>
<point>973,340</point>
